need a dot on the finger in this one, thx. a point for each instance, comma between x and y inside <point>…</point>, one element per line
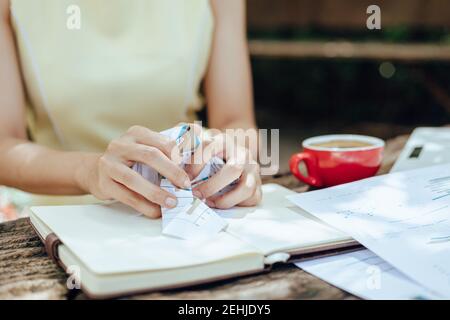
<point>202,156</point>
<point>254,200</point>
<point>257,195</point>
<point>135,182</point>
<point>134,200</point>
<point>197,163</point>
<point>229,173</point>
<point>157,160</point>
<point>145,136</point>
<point>243,191</point>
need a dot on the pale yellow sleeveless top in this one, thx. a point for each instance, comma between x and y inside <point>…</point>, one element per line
<point>130,62</point>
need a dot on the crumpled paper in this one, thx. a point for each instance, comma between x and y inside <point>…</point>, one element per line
<point>191,217</point>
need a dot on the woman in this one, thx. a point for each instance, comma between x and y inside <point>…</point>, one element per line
<point>81,103</point>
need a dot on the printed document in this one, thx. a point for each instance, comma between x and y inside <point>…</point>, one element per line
<point>364,274</point>
<point>403,217</point>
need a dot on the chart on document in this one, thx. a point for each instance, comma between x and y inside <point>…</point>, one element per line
<point>191,217</point>
<point>403,217</point>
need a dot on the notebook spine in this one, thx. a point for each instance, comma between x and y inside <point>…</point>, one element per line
<point>51,244</point>
<point>303,256</point>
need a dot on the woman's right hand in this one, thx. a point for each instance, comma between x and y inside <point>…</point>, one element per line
<point>110,176</point>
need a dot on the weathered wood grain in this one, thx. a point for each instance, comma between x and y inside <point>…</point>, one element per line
<point>26,272</point>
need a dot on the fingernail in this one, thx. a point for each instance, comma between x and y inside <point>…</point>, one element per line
<point>171,202</point>
<point>187,183</point>
<point>198,194</point>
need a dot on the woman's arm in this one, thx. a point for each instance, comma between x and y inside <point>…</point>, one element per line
<point>22,164</point>
<point>12,115</point>
<point>228,82</point>
<point>34,168</point>
<point>229,94</point>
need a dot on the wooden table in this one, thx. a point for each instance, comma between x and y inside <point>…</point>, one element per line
<point>26,272</point>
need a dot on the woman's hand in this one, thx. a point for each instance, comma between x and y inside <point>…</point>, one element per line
<point>110,177</point>
<point>228,91</point>
<point>239,165</point>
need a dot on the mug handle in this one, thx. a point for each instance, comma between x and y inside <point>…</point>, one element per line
<point>310,161</point>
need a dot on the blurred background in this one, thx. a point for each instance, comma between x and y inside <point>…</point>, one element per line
<point>317,68</point>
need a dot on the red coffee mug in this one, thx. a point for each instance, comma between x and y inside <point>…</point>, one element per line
<point>330,165</point>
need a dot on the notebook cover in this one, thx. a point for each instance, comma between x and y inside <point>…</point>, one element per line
<point>52,243</point>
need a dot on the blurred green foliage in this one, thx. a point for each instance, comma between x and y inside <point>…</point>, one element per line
<point>399,34</point>
<point>290,92</point>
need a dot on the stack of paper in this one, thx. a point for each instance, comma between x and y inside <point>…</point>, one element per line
<point>404,218</point>
<point>366,275</point>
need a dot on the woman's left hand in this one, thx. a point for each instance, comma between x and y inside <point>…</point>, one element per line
<point>239,165</point>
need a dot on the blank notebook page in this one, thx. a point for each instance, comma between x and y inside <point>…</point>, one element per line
<point>277,224</point>
<point>115,239</point>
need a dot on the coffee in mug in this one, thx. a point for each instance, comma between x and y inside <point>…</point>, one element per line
<point>342,144</point>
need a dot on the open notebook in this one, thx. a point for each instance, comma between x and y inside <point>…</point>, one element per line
<point>119,251</point>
